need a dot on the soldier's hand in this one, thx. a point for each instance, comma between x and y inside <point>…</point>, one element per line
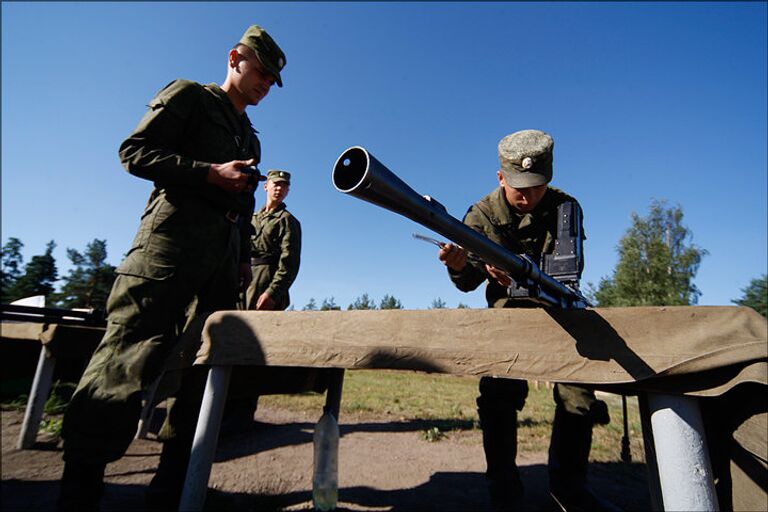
<point>265,302</point>
<point>227,176</point>
<point>453,256</point>
<point>500,276</point>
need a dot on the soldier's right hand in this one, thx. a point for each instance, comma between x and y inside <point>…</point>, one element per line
<point>453,256</point>
<point>228,176</point>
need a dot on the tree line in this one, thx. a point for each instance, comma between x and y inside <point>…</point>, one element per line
<point>366,302</point>
<point>86,285</point>
<point>657,265</point>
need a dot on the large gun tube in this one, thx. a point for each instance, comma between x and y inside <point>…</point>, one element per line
<point>360,174</point>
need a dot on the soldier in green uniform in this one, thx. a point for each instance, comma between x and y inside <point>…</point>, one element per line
<point>275,250</point>
<point>196,144</point>
<point>521,215</point>
<point>275,247</point>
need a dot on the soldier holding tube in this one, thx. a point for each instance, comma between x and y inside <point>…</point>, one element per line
<point>521,215</point>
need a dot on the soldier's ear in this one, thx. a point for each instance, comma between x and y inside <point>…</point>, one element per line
<point>500,177</point>
<point>233,58</point>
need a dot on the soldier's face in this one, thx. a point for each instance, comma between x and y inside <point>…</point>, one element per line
<point>522,199</point>
<point>254,80</point>
<point>277,191</point>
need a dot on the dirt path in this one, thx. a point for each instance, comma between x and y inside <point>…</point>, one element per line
<point>384,465</point>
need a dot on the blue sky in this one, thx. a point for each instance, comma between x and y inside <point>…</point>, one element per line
<point>644,101</point>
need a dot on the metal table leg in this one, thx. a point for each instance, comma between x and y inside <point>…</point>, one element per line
<point>206,437</point>
<point>333,395</point>
<point>41,387</point>
<point>682,458</point>
<point>148,410</point>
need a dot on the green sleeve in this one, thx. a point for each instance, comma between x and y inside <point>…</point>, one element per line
<point>289,259</point>
<point>152,150</point>
<point>473,274</point>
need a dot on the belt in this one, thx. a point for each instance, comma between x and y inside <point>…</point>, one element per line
<point>232,216</point>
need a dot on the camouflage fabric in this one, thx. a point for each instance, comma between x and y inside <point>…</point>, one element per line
<point>275,255</point>
<point>185,253</point>
<point>526,158</point>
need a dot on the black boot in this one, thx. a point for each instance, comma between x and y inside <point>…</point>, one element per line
<point>568,463</point>
<point>500,446</point>
<point>81,487</point>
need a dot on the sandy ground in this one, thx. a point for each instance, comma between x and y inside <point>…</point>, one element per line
<point>383,465</point>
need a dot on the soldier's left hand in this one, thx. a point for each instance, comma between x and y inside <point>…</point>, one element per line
<point>265,302</point>
<point>500,276</point>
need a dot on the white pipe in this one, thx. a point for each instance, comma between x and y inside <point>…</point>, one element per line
<point>685,472</point>
<point>206,437</point>
<point>41,387</point>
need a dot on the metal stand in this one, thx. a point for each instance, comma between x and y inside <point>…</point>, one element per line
<point>148,410</point>
<point>41,386</point>
<point>206,437</point>
<point>681,458</point>
<point>333,394</point>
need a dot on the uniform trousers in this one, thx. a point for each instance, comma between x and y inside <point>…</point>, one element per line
<point>185,252</point>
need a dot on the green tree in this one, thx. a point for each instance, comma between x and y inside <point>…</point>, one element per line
<point>12,261</point>
<point>462,306</point>
<point>389,302</point>
<point>657,263</point>
<point>39,276</point>
<point>438,303</point>
<point>362,302</point>
<point>329,305</point>
<point>755,295</point>
<point>311,305</point>
<point>90,280</point>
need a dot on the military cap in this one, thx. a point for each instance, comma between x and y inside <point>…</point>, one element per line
<point>526,158</point>
<point>278,175</point>
<point>270,55</point>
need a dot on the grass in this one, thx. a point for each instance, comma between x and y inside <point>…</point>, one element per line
<point>448,402</point>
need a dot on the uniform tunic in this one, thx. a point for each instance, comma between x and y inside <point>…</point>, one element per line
<point>275,247</point>
<point>186,250</point>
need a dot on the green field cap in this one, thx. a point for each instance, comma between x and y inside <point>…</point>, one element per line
<point>270,55</point>
<point>526,158</point>
<point>278,175</point>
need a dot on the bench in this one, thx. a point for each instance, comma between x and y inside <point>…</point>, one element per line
<point>668,356</point>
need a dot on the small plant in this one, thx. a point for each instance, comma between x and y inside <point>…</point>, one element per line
<point>59,398</point>
<point>432,435</point>
<point>52,425</point>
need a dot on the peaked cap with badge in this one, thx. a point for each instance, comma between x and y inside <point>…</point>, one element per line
<point>278,175</point>
<point>270,55</point>
<point>526,158</point>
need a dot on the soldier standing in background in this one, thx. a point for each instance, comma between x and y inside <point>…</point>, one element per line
<point>521,215</point>
<point>275,248</point>
<point>194,143</point>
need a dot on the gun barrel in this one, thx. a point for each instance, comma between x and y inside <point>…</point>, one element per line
<point>358,173</point>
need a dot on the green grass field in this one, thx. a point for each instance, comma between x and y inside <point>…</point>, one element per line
<point>448,402</point>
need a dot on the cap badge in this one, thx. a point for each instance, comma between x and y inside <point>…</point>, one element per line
<point>527,162</point>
